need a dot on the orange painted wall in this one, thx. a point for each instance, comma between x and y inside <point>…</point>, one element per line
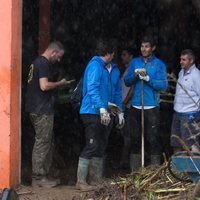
<point>10,64</point>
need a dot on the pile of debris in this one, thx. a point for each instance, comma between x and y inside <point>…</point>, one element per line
<point>145,184</point>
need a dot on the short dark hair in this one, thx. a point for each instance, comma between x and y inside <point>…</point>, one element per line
<point>56,45</point>
<point>148,39</point>
<point>129,50</point>
<point>103,47</point>
<point>189,53</point>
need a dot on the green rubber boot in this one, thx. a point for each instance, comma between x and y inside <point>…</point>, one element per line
<point>96,170</point>
<point>82,173</point>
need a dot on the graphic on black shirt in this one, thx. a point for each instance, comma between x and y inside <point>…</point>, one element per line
<point>38,101</point>
<point>30,74</point>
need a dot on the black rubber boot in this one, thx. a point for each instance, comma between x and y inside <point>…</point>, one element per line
<point>135,162</point>
<point>155,160</point>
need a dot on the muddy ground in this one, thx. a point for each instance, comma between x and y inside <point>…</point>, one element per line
<point>69,140</point>
<point>57,193</point>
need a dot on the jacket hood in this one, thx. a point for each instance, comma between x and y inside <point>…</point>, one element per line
<point>99,60</point>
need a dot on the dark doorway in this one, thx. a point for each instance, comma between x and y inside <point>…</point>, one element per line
<point>78,25</point>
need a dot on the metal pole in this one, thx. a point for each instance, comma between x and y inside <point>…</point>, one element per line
<point>142,123</point>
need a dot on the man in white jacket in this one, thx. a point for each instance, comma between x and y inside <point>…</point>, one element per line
<point>186,103</point>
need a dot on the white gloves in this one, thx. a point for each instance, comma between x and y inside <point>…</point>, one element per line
<point>144,78</point>
<point>114,109</point>
<point>121,121</point>
<point>105,116</point>
<point>142,74</point>
<point>141,71</point>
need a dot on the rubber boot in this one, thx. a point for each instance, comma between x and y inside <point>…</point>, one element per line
<point>155,160</point>
<point>96,170</point>
<point>195,148</point>
<point>196,192</point>
<point>135,162</point>
<point>82,173</point>
<point>43,181</point>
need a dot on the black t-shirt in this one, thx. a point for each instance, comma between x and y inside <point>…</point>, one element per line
<point>38,101</point>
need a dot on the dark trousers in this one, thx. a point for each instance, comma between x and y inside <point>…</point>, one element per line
<point>166,114</point>
<point>151,131</point>
<point>126,134</point>
<point>96,136</point>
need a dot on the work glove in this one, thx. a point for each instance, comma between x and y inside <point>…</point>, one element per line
<point>121,121</point>
<point>142,74</point>
<point>144,78</point>
<point>141,71</point>
<point>113,108</point>
<point>105,116</point>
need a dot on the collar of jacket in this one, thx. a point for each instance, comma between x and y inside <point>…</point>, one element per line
<point>190,69</point>
<point>149,59</point>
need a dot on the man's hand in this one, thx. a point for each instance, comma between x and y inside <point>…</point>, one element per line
<point>141,71</point>
<point>144,78</point>
<point>71,81</point>
<point>105,116</point>
<point>65,82</point>
<point>142,74</point>
<point>113,108</point>
<point>121,121</point>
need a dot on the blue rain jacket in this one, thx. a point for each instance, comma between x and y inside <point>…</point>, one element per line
<point>100,87</point>
<point>156,70</point>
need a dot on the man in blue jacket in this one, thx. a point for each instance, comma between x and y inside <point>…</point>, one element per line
<point>101,86</point>
<point>152,72</point>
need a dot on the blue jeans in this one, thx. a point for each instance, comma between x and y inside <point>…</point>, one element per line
<point>183,126</point>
